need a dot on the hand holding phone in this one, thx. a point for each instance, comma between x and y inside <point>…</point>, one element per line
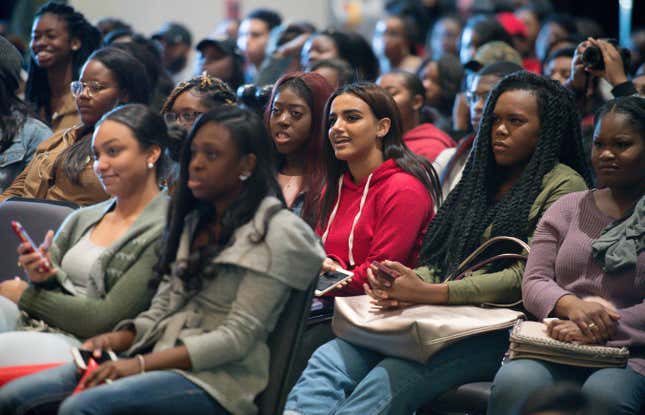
<point>84,357</point>
<point>329,281</point>
<point>383,272</point>
<point>42,262</point>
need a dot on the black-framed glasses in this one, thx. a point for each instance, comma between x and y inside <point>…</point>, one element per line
<point>186,117</point>
<point>92,88</point>
<point>473,97</point>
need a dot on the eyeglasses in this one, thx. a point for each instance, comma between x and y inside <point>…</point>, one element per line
<point>187,117</point>
<point>473,97</point>
<point>92,87</point>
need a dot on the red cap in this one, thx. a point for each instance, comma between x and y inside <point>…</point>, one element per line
<point>513,25</point>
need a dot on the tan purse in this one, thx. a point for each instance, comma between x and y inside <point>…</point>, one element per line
<point>529,340</point>
<point>417,332</point>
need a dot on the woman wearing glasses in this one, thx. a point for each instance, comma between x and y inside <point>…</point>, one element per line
<point>61,168</point>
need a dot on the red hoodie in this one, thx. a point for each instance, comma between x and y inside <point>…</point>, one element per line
<point>427,141</point>
<point>396,212</point>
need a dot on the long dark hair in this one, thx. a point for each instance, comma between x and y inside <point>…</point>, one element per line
<point>382,106</point>
<point>470,208</point>
<point>354,49</point>
<point>131,78</point>
<point>148,127</point>
<point>13,112</point>
<point>250,136</point>
<point>37,90</point>
<point>314,90</point>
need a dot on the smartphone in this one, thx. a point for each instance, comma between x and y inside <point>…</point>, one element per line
<point>384,272</point>
<point>329,280</point>
<point>25,238</point>
<point>82,357</point>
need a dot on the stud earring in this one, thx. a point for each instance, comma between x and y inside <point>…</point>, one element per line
<point>244,177</point>
<point>151,165</point>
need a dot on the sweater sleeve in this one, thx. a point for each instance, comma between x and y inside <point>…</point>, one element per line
<point>85,317</point>
<point>505,286</point>
<point>630,331</point>
<point>400,223</point>
<point>540,291</point>
<point>258,302</point>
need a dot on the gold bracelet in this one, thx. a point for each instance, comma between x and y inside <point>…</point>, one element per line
<point>142,363</point>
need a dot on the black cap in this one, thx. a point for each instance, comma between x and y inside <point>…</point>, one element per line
<point>174,33</point>
<point>221,42</point>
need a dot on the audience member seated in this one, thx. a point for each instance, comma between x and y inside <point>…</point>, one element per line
<point>20,132</point>
<point>348,46</point>
<point>336,71</point>
<point>424,139</point>
<point>442,81</point>
<point>444,37</point>
<point>526,158</point>
<point>95,272</point>
<point>479,30</point>
<point>175,40</point>
<point>557,65</point>
<point>451,162</point>
<point>220,58</point>
<point>556,28</point>
<point>585,269</point>
<point>189,100</point>
<point>294,117</point>
<point>61,168</point>
<point>380,196</point>
<point>61,41</point>
<point>253,38</point>
<point>231,257</point>
<point>394,44</point>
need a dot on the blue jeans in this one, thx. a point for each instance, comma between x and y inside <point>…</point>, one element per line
<point>617,391</point>
<point>345,379</point>
<point>156,392</point>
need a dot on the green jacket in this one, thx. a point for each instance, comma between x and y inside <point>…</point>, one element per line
<point>118,283</point>
<point>505,286</point>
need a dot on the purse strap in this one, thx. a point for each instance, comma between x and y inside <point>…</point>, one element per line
<point>463,269</point>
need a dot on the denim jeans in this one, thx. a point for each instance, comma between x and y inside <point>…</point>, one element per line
<point>345,379</point>
<point>614,391</point>
<point>156,392</point>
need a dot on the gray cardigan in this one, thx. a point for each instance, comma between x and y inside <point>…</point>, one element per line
<point>225,325</point>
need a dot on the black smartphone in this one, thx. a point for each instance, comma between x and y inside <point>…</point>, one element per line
<point>329,280</point>
<point>384,272</point>
<point>82,356</point>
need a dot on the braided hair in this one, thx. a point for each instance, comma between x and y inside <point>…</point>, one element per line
<point>211,91</point>
<point>37,90</point>
<point>470,208</point>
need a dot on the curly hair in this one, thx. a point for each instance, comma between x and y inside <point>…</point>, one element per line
<point>37,90</point>
<point>471,207</point>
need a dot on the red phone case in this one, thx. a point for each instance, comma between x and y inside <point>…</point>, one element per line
<point>25,238</point>
<point>91,366</point>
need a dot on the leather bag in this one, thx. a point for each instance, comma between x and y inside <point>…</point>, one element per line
<point>529,340</point>
<point>417,332</point>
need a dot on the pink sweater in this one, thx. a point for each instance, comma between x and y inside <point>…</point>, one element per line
<point>560,263</point>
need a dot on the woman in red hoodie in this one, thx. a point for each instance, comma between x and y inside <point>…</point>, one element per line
<point>424,139</point>
<point>380,197</point>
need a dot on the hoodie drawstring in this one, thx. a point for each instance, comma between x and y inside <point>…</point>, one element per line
<point>350,240</point>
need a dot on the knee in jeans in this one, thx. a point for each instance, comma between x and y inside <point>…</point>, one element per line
<point>519,376</point>
<point>75,405</point>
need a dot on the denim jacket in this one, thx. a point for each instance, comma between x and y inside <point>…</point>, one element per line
<point>15,158</point>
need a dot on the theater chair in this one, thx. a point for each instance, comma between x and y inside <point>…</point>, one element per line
<point>284,343</point>
<point>470,398</point>
<point>37,216</point>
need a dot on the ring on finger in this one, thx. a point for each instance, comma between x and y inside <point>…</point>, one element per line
<point>108,381</point>
<point>592,326</point>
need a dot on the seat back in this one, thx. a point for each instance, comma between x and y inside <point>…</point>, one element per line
<point>37,216</point>
<point>284,343</point>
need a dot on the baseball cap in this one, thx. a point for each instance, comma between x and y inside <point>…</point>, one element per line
<point>491,52</point>
<point>513,25</point>
<point>173,33</point>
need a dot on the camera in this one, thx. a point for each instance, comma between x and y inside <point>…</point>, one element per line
<point>592,56</point>
<point>254,97</point>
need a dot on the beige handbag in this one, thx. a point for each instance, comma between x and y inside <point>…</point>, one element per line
<point>529,340</point>
<point>417,332</point>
